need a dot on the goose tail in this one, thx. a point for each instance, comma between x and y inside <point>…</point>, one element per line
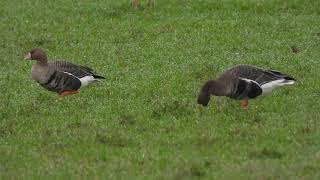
<point>98,77</point>
<point>281,75</point>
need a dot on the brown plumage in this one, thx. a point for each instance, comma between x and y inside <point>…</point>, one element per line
<point>59,76</point>
<point>243,82</point>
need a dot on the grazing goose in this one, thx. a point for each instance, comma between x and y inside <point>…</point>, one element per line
<point>244,82</point>
<point>62,77</point>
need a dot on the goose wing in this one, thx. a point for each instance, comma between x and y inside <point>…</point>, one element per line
<point>60,81</point>
<point>258,75</point>
<point>245,89</point>
<point>74,69</point>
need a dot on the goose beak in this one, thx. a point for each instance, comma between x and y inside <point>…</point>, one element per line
<point>27,56</point>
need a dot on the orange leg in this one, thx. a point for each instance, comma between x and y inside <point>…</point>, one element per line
<point>65,93</point>
<point>244,104</point>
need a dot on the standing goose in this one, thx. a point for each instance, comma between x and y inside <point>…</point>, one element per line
<point>62,77</point>
<point>244,82</point>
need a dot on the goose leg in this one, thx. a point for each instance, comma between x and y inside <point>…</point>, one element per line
<point>244,104</point>
<point>65,93</point>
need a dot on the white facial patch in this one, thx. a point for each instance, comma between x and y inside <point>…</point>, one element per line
<point>27,56</point>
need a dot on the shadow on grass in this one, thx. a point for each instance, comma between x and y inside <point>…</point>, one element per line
<point>195,171</point>
<point>127,119</point>
<point>266,154</point>
<point>78,125</point>
<point>112,139</point>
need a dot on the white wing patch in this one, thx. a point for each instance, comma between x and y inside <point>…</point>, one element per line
<point>250,80</point>
<point>270,86</point>
<point>87,80</point>
<point>84,80</point>
<point>70,74</point>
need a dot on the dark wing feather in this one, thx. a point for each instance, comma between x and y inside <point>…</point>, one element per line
<point>253,73</point>
<point>61,81</point>
<point>74,69</point>
<point>280,75</point>
<point>245,90</point>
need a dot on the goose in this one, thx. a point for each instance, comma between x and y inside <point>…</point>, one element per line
<point>62,77</point>
<point>244,82</point>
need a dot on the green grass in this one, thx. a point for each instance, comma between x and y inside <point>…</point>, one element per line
<point>143,122</point>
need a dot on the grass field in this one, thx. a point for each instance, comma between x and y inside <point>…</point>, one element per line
<point>143,122</point>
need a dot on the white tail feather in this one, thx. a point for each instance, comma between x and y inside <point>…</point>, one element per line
<point>270,86</point>
<point>87,80</point>
<point>288,82</point>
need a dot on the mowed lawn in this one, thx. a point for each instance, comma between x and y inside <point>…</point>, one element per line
<point>142,121</point>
